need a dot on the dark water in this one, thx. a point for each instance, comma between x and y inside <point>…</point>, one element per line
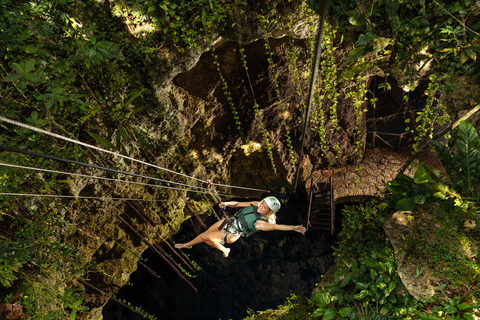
<point>260,273</point>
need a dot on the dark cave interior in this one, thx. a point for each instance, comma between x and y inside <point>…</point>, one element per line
<point>260,273</point>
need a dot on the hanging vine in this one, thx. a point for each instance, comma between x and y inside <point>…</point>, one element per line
<point>265,133</point>
<point>357,95</point>
<point>277,90</point>
<point>329,75</point>
<point>429,115</point>
<point>228,94</point>
<point>318,119</point>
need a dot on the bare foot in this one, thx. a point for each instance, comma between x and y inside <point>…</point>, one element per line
<point>182,246</point>
<point>226,252</point>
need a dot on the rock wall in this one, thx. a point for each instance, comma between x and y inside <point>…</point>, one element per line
<point>204,123</point>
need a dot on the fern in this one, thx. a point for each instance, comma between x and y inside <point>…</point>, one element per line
<point>468,153</point>
<point>392,7</point>
<point>464,168</point>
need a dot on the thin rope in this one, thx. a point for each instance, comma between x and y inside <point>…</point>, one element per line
<point>26,126</point>
<point>102,178</point>
<point>318,49</point>
<point>91,146</point>
<point>75,197</point>
<point>36,154</point>
<point>245,188</point>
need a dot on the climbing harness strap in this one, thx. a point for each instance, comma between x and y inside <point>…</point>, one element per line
<point>242,223</point>
<point>229,225</point>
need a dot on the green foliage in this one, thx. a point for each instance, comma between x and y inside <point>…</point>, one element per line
<point>228,94</point>
<point>185,23</point>
<point>366,271</point>
<point>363,284</point>
<point>294,308</point>
<point>407,192</point>
<point>420,30</point>
<point>283,108</point>
<point>265,133</point>
<point>429,114</point>
<point>464,167</point>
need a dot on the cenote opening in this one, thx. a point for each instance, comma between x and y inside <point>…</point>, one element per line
<point>260,273</point>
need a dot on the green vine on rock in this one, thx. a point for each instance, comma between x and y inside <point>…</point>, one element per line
<point>228,94</point>
<point>357,95</point>
<point>318,119</point>
<point>277,90</point>
<point>265,133</point>
<point>329,75</point>
<point>429,115</point>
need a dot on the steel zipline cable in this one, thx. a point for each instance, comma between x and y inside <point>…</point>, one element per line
<point>73,197</point>
<point>103,178</point>
<point>26,126</point>
<point>36,154</point>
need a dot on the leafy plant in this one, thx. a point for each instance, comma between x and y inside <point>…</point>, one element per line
<point>228,94</point>
<point>265,133</point>
<point>464,167</point>
<point>277,90</point>
<point>365,275</point>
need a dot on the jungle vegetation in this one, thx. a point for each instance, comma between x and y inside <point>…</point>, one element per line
<point>89,69</point>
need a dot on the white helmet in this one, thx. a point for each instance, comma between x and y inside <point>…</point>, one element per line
<point>272,203</point>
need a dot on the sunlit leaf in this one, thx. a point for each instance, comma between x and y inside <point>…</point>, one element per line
<point>380,43</point>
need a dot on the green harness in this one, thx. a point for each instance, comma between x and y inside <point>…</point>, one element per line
<point>247,217</point>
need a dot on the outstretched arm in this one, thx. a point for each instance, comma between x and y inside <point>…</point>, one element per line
<point>264,226</point>
<point>235,204</point>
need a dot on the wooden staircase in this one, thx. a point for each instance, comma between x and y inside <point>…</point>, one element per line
<point>321,208</point>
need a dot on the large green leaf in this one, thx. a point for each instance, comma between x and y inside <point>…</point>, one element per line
<point>421,176</point>
<point>361,295</point>
<point>405,204</point>
<point>468,153</point>
<point>329,314</point>
<point>356,18</point>
<point>105,143</point>
<point>365,39</point>
<point>392,7</point>
<point>12,77</point>
<point>345,311</point>
<point>446,157</point>
<point>380,43</point>
<point>29,65</point>
<point>419,199</point>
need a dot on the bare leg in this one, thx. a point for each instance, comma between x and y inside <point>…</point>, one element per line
<point>211,237</point>
<point>219,246</point>
<point>202,237</point>
<point>216,225</point>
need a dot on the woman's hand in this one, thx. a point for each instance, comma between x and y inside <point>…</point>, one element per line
<point>299,229</point>
<point>226,204</point>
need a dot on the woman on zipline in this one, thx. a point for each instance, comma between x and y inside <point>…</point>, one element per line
<point>253,217</point>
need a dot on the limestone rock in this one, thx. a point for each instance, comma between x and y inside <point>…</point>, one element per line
<point>417,279</point>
